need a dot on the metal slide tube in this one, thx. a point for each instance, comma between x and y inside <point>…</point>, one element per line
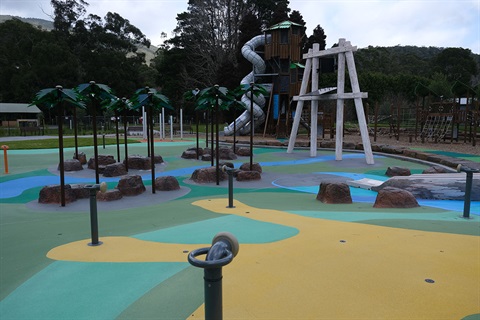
<point>242,122</point>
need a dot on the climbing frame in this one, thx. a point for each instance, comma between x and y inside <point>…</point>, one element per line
<point>344,53</point>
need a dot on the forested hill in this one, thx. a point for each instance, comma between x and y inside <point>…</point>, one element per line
<point>31,58</point>
<point>387,60</point>
<point>39,23</point>
<point>402,60</point>
<point>47,25</point>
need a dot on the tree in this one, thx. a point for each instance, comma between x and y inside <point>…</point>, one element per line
<point>95,94</point>
<point>55,98</point>
<point>457,64</point>
<point>297,17</point>
<point>152,100</point>
<point>31,59</point>
<point>214,98</point>
<point>318,36</point>
<point>66,14</point>
<point>250,90</point>
<point>270,11</point>
<point>208,32</point>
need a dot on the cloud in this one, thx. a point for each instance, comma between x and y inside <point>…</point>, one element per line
<point>395,22</point>
<point>439,23</point>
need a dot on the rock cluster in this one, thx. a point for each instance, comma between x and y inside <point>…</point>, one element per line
<point>390,197</point>
<point>334,193</point>
<point>168,183</point>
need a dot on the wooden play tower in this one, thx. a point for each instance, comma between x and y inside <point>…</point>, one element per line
<point>284,71</point>
<point>344,53</point>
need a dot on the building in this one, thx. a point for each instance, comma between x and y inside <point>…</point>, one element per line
<point>19,115</point>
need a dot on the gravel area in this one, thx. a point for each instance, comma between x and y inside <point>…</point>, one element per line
<point>454,146</point>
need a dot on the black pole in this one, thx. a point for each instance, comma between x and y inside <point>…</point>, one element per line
<point>213,293</point>
<point>212,115</point>
<point>217,145</point>
<point>95,140</point>
<point>152,140</point>
<point>234,129</point>
<point>117,136</point>
<point>251,126</point>
<point>147,121</point>
<point>206,128</point>
<point>229,172</point>
<point>93,214</point>
<point>60,153</point>
<point>125,136</point>
<point>198,136</point>
<point>75,131</point>
<point>468,192</point>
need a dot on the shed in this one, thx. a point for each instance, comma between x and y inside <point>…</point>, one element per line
<point>19,115</point>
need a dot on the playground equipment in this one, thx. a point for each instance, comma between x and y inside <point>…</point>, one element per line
<point>5,157</point>
<point>242,123</point>
<point>344,53</point>
<point>468,188</point>
<point>279,71</point>
<point>93,188</point>
<point>230,172</point>
<point>224,248</point>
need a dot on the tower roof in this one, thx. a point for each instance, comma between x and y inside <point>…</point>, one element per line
<point>284,25</point>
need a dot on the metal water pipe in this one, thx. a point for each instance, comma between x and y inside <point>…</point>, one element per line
<point>224,248</point>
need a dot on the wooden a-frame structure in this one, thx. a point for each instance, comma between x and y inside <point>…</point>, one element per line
<point>345,54</point>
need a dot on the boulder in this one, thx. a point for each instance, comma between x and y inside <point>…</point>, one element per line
<point>109,195</point>
<point>51,194</point>
<point>131,185</point>
<point>71,165</point>
<point>228,164</point>
<point>227,154</point>
<point>327,144</point>
<point>82,157</point>
<point>436,169</point>
<point>103,160</point>
<point>243,152</point>
<point>243,175</point>
<point>206,157</point>
<point>114,170</point>
<point>390,197</point>
<point>445,186</point>
<point>189,154</point>
<point>255,167</point>
<point>168,183</point>
<point>334,193</point>
<point>80,191</point>
<point>348,146</point>
<point>138,162</point>
<point>157,158</point>
<point>206,175</point>
<point>397,171</point>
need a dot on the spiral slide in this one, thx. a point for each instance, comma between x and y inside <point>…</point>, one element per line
<point>242,123</point>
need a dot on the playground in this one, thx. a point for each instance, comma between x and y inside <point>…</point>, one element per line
<point>299,258</point>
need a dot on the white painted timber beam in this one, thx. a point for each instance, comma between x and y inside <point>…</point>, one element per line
<point>334,96</point>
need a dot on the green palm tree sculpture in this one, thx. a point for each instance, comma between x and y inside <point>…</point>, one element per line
<point>236,103</point>
<point>55,98</point>
<point>120,106</point>
<point>152,100</point>
<point>215,97</point>
<point>192,95</point>
<point>252,89</point>
<point>95,94</point>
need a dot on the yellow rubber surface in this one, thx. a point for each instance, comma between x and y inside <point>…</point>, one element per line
<point>122,249</point>
<point>377,273</point>
<point>330,270</point>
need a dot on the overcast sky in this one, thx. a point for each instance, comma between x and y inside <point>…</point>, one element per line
<point>447,23</point>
